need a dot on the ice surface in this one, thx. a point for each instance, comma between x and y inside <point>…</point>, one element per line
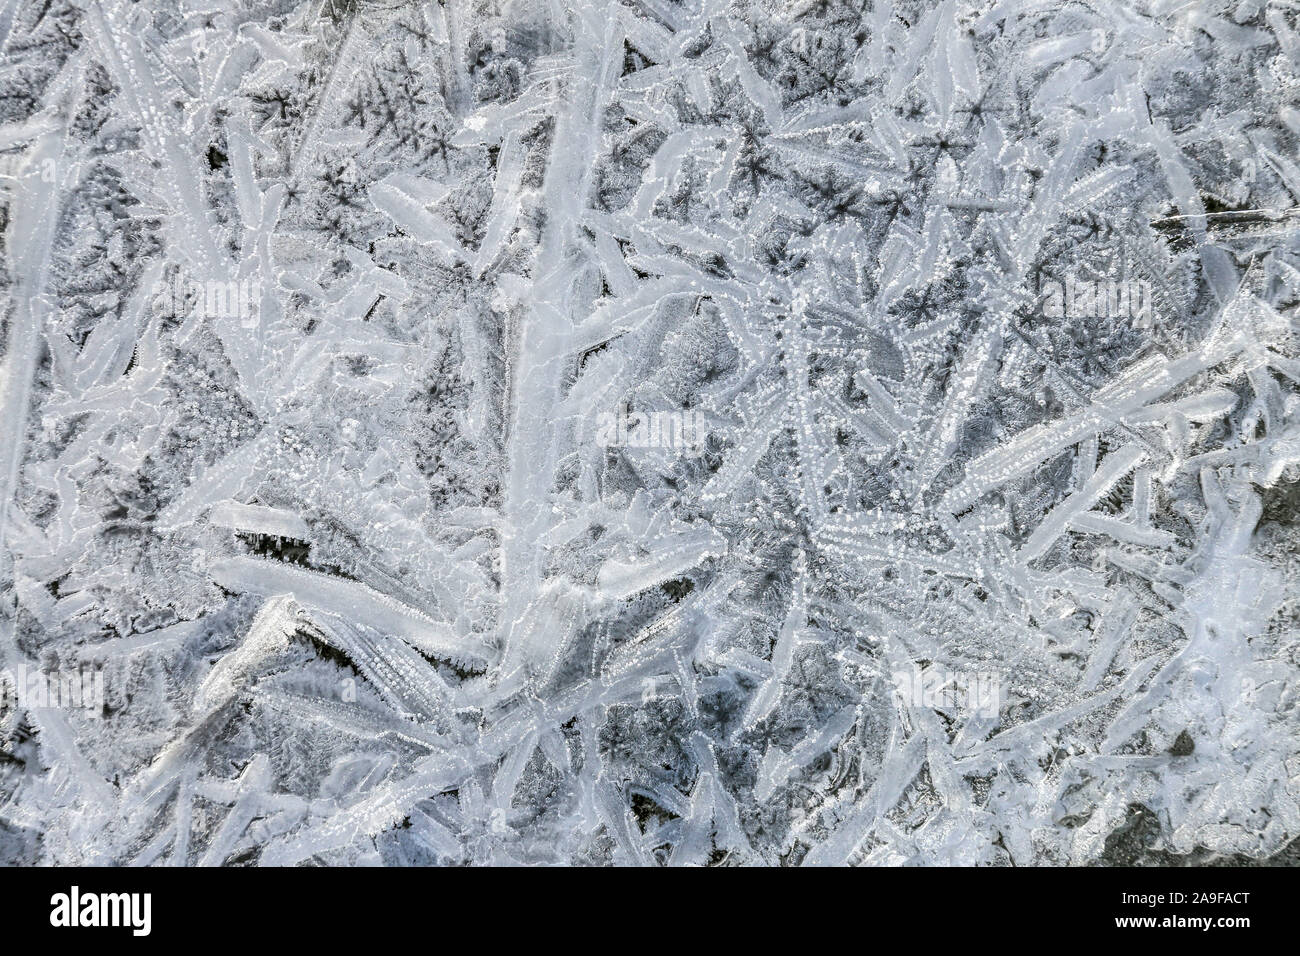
<point>649,432</point>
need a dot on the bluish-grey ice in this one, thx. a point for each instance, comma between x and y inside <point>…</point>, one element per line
<point>684,432</point>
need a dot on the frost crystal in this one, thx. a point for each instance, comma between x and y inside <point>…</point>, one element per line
<point>649,432</point>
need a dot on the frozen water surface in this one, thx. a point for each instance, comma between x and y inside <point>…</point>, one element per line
<point>649,432</point>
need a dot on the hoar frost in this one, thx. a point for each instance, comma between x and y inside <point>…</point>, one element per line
<point>650,432</point>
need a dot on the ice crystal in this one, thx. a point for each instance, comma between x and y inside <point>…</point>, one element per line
<point>650,432</point>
